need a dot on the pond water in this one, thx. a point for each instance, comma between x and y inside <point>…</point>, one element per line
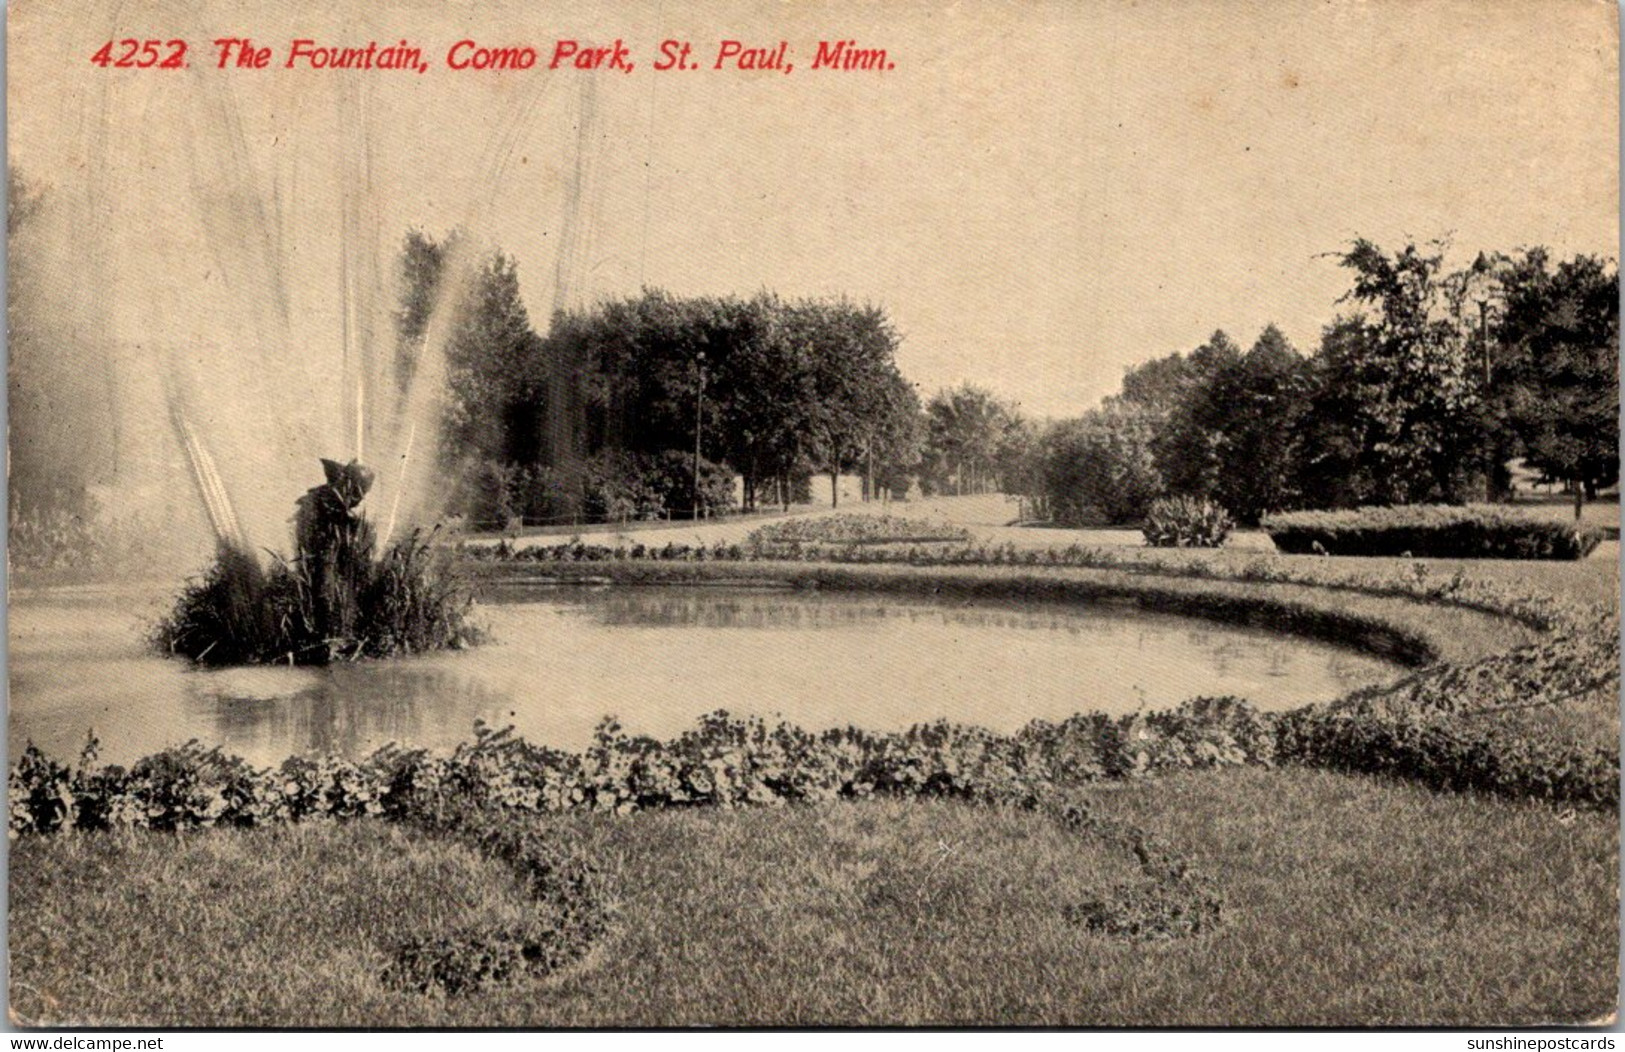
<point>655,657</point>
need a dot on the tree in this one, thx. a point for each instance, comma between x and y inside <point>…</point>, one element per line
<point>773,389</point>
<point>851,399</point>
<point>963,432</point>
<point>488,429</point>
<point>1396,392</point>
<point>1019,464</point>
<point>1191,418</point>
<point>62,401</point>
<point>1258,403</point>
<point>1557,341</point>
<point>1100,466</point>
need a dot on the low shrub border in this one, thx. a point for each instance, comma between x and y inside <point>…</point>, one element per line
<point>1430,531</point>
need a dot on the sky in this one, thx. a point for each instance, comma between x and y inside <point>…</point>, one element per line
<point>1040,194</point>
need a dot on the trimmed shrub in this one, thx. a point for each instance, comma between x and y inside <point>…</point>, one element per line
<point>1430,531</point>
<point>1186,522</point>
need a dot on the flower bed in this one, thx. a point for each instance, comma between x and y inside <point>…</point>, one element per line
<point>854,529</point>
<point>1434,531</point>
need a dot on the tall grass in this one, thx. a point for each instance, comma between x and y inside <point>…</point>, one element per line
<point>350,604</point>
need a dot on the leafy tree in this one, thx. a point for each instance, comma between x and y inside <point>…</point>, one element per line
<point>1100,466</point>
<point>1019,464</point>
<point>61,402</point>
<point>849,405</point>
<point>964,429</point>
<point>1396,392</point>
<point>1262,397</point>
<point>1192,417</point>
<point>1557,350</point>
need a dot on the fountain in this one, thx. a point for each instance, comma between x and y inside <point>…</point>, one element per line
<point>335,599</point>
<point>259,333</point>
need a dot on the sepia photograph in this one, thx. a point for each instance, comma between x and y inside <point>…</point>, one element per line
<point>750,514</point>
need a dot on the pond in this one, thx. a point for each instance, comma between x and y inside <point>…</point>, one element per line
<point>657,658</point>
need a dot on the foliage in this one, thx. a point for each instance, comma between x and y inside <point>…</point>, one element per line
<point>410,600</point>
<point>616,487</point>
<point>774,389</point>
<point>1403,377</point>
<point>965,428</point>
<point>1101,467</point>
<point>1186,522</point>
<point>1428,531</point>
<point>76,540</point>
<point>59,368</point>
<point>853,529</point>
<point>1557,374</point>
<point>1401,403</point>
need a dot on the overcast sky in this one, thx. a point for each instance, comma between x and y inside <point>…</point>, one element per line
<point>1041,194</point>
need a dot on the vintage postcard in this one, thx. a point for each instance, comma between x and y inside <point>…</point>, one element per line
<point>744,513</point>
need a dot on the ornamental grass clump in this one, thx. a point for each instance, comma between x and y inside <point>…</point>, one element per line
<point>1186,522</point>
<point>336,599</point>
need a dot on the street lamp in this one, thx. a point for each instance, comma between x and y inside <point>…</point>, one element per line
<point>699,421</point>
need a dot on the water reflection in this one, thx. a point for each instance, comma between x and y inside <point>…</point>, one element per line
<point>657,658</point>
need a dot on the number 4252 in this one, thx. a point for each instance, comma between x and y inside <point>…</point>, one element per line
<point>141,54</point>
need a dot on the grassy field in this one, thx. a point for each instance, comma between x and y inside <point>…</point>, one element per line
<point>1349,901</point>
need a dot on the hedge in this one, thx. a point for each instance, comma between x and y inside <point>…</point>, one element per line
<point>1430,531</point>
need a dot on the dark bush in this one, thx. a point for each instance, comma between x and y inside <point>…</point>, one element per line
<point>1430,531</point>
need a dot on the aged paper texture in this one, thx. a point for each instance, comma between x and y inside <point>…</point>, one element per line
<point>789,514</point>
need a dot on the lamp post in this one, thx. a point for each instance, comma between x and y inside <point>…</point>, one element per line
<point>699,421</point>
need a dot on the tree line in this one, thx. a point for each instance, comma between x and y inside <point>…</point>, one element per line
<point>1427,385</point>
<point>608,414</point>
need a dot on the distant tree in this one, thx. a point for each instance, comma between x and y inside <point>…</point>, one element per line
<point>963,431</point>
<point>59,396</point>
<point>1557,350</point>
<point>1019,464</point>
<point>1159,384</point>
<point>1257,404</point>
<point>1100,466</point>
<point>849,405</point>
<point>487,432</point>
<point>1193,415</point>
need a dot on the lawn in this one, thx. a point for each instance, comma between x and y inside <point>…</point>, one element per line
<point>1348,901</point>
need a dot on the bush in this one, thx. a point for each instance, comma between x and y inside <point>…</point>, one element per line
<point>1186,522</point>
<point>620,487</point>
<point>410,600</point>
<point>1100,468</point>
<point>1430,531</point>
<point>616,488</point>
